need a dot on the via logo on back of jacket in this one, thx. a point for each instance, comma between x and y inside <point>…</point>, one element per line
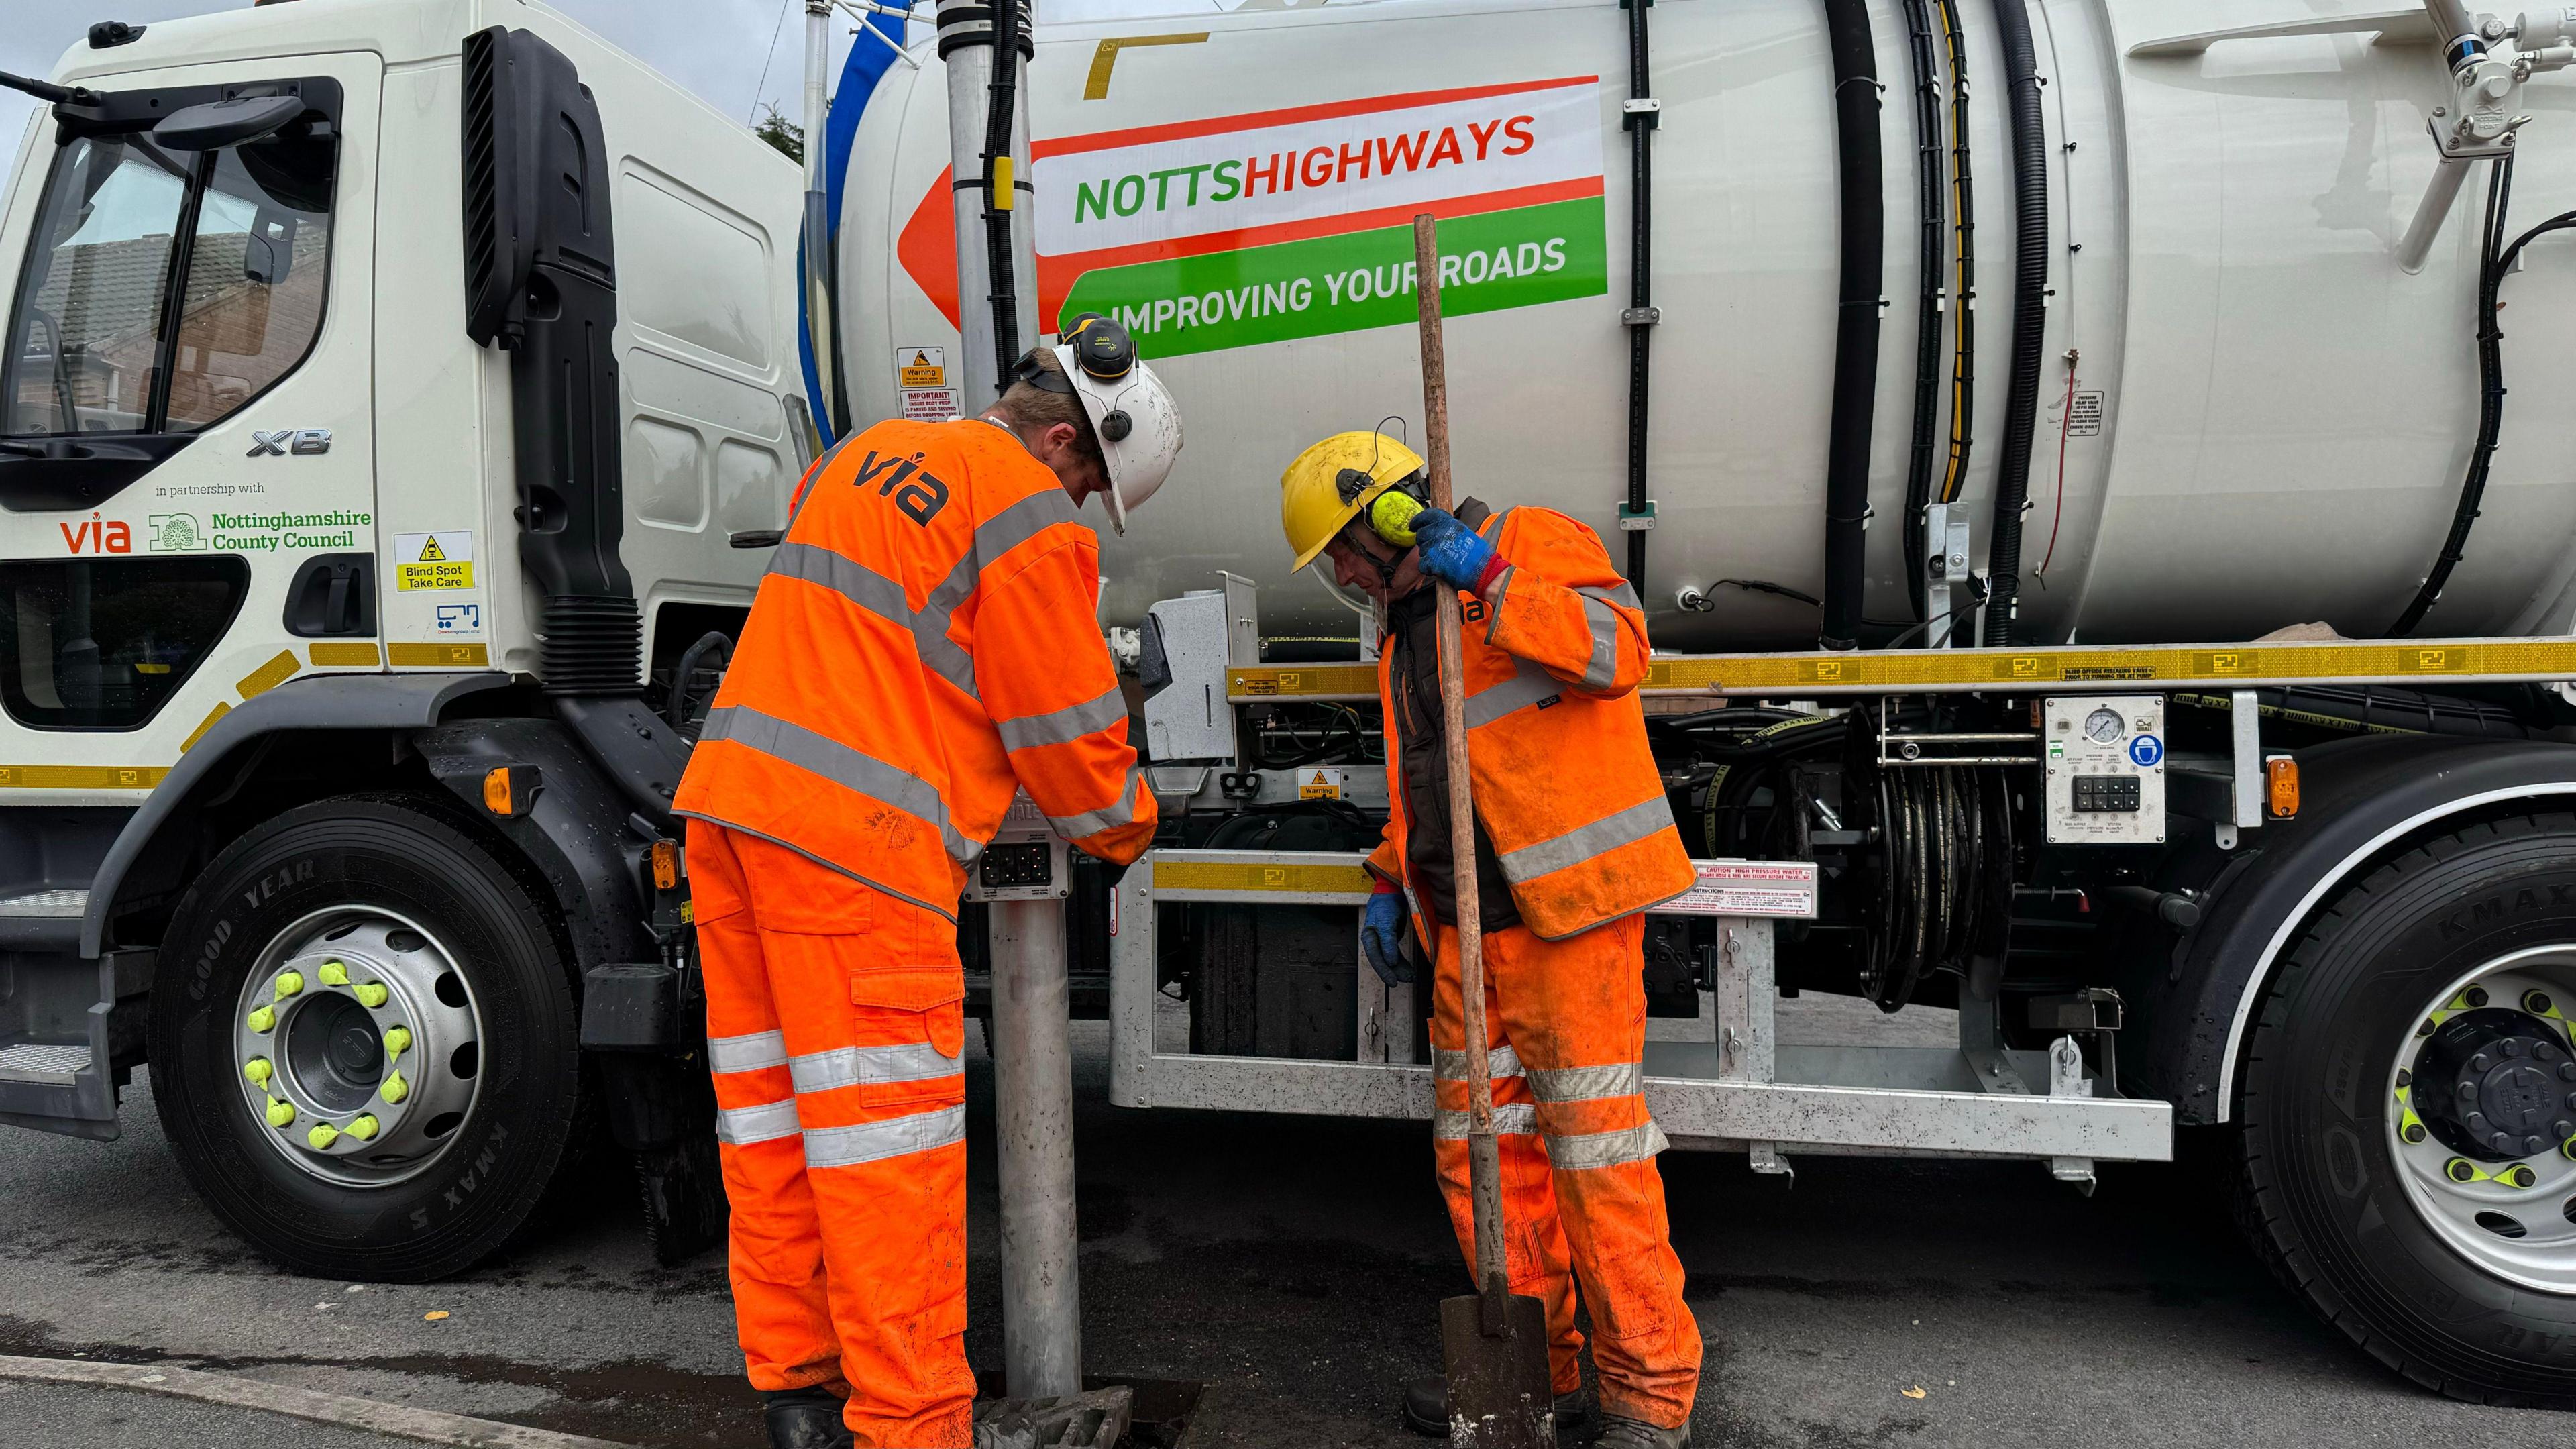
<point>921,497</point>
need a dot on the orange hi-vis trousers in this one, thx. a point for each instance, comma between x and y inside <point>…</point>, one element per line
<point>835,1029</point>
<point>1582,1201</point>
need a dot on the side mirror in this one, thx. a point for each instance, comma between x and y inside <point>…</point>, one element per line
<point>218,124</point>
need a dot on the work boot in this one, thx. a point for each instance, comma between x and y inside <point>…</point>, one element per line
<point>1618,1433</point>
<point>1426,1409</point>
<point>805,1419</point>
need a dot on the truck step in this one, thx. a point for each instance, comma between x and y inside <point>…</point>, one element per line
<point>49,1064</point>
<point>45,905</point>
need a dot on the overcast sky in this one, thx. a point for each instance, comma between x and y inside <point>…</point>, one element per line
<point>717,48</point>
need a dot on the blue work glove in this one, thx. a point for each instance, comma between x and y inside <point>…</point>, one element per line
<point>1452,552</point>
<point>1382,937</point>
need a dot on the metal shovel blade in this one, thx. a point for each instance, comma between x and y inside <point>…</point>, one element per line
<point>1499,1395</point>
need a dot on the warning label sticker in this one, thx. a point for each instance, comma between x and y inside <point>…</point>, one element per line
<point>1320,784</point>
<point>1777,888</point>
<point>2084,420</point>
<point>434,560</point>
<point>935,405</point>
<point>920,367</point>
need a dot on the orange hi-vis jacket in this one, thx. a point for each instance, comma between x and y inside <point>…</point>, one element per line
<point>1563,780</point>
<point>923,647</point>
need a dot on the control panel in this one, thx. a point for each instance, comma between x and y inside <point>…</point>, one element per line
<point>2106,769</point>
<point>1024,862</point>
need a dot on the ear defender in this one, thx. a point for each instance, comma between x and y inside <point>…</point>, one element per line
<point>1104,349</point>
<point>1392,516</point>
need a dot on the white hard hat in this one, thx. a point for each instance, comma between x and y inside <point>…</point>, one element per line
<point>1132,413</point>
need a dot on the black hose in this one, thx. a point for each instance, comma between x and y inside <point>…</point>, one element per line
<point>1963,295</point>
<point>2495,264</point>
<point>998,202</point>
<point>1927,327</point>
<point>2030,317</point>
<point>675,711</point>
<point>1963,188</point>
<point>1864,275</point>
<point>1641,268</point>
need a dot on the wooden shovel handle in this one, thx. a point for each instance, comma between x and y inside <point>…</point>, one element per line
<point>1484,1166</point>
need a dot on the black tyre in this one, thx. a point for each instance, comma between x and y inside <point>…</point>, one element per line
<point>364,1047</point>
<point>2409,1114</point>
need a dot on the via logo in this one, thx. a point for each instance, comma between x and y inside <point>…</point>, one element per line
<point>114,536</point>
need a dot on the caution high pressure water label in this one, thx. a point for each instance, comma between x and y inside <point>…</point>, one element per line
<point>433,560</point>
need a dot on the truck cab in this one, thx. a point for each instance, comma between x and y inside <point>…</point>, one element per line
<point>383,385</point>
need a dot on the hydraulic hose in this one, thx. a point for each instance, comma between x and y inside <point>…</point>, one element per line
<point>1963,294</point>
<point>1864,273</point>
<point>998,182</point>
<point>1641,273</point>
<point>2495,262</point>
<point>2030,317</point>
<point>1927,327</point>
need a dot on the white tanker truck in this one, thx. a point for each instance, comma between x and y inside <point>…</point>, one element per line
<point>401,395</point>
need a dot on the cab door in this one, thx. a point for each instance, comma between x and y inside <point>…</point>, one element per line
<point>187,469</point>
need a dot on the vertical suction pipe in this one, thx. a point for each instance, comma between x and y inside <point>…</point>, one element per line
<point>1640,118</point>
<point>822,325</point>
<point>2030,316</point>
<point>1928,183</point>
<point>1033,1127</point>
<point>1864,273</point>
<point>987,49</point>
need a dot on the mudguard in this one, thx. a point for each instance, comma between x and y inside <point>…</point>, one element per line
<point>2193,997</point>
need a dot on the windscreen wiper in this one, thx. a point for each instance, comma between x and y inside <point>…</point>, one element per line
<point>48,91</point>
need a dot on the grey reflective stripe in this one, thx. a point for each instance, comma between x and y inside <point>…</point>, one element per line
<point>767,1122</point>
<point>746,1053</point>
<point>1529,684</point>
<point>851,769</point>
<point>893,1137</point>
<point>1451,1066</point>
<point>1638,822</point>
<point>1092,822</point>
<point>882,597</point>
<point>1603,670</point>
<point>855,1066</point>
<point>999,534</point>
<point>1619,593</point>
<point>1087,718</point>
<point>1601,1149</point>
<point>1511,1119</point>
<point>1588,1084</point>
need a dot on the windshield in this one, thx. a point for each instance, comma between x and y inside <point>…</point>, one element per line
<point>96,344</point>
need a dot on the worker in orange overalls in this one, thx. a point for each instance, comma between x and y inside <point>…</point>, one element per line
<point>1574,840</point>
<point>924,646</point>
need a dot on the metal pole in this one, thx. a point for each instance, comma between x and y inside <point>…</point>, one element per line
<point>966,42</point>
<point>818,225</point>
<point>2417,244</point>
<point>1033,1117</point>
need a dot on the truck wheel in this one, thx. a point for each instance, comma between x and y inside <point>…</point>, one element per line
<point>363,1042</point>
<point>2409,1111</point>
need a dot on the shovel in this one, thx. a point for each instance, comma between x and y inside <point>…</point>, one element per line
<point>1493,1342</point>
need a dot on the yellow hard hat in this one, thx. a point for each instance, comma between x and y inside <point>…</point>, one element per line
<point>1315,500</point>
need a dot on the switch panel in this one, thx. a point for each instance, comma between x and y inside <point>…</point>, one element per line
<point>1024,861</point>
<point>2106,769</point>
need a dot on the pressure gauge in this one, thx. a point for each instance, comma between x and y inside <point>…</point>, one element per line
<point>2104,726</point>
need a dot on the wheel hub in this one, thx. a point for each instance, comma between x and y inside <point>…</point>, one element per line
<point>358,1043</point>
<point>2483,1117</point>
<point>2494,1085</point>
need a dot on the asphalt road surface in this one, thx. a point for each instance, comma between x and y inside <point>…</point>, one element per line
<point>1293,1266</point>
